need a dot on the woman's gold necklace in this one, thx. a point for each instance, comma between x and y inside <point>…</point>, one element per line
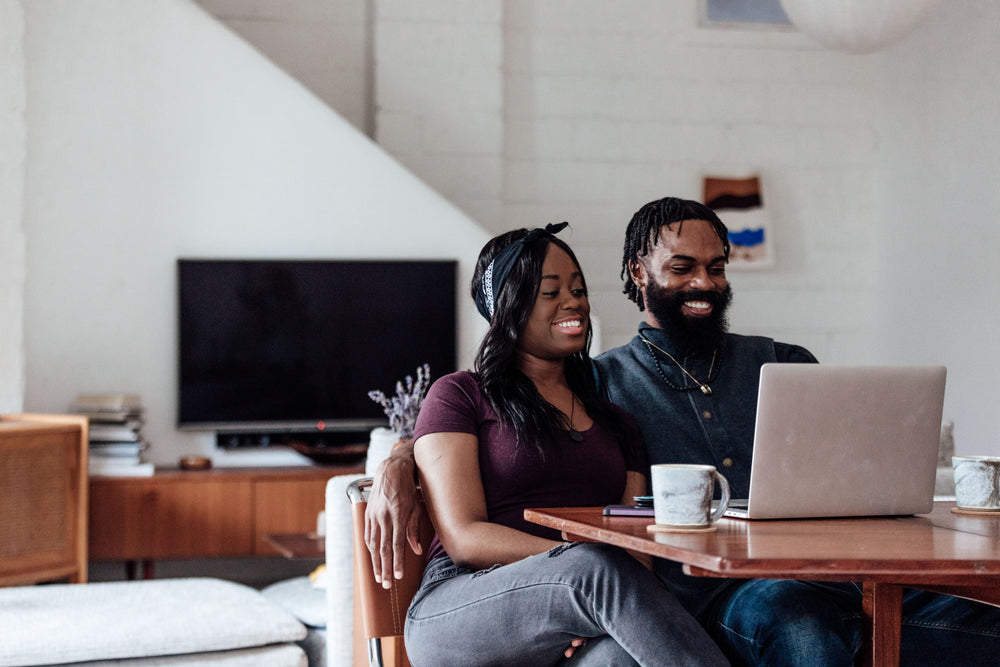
<point>703,386</point>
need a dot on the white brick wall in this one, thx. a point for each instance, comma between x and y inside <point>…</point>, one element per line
<point>939,266</point>
<point>611,105</point>
<point>439,92</point>
<point>12,165</point>
<point>324,44</point>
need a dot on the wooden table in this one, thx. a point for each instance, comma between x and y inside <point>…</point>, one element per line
<point>940,551</point>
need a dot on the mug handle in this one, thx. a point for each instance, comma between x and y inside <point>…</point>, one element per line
<point>723,501</point>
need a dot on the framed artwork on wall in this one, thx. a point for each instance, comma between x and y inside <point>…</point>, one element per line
<point>739,202</point>
<point>744,13</point>
<point>755,24</point>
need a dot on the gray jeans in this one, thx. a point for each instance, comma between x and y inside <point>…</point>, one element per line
<point>528,612</point>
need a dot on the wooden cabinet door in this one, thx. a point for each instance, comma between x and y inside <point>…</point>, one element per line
<point>203,519</point>
<point>119,515</point>
<point>223,512</point>
<point>170,518</point>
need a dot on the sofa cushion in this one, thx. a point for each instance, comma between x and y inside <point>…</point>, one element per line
<point>53,624</point>
<point>276,655</point>
<point>307,602</point>
<point>302,598</point>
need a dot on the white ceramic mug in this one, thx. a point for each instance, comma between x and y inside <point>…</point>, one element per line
<point>977,481</point>
<point>682,494</point>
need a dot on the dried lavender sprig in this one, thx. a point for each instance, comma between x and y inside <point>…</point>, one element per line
<point>402,409</point>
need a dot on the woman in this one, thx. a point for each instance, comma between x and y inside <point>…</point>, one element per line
<point>528,429</point>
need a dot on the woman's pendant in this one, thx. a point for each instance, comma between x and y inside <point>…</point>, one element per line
<point>705,389</point>
<point>575,435</point>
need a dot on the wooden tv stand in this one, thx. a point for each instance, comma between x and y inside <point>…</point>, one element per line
<point>222,512</point>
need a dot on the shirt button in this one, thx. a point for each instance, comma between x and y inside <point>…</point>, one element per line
<point>727,462</point>
<point>706,414</point>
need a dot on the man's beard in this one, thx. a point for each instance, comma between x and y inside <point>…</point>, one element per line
<point>700,335</point>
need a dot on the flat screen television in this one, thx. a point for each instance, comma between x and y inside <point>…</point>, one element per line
<point>271,346</point>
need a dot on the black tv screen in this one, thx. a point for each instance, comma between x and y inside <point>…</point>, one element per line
<point>297,344</point>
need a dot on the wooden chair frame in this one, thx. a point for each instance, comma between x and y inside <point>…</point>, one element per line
<point>383,611</point>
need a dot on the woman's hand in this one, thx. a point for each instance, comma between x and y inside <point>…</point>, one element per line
<point>573,645</point>
<point>392,515</point>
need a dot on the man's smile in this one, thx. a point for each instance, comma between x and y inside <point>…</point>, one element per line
<point>697,308</point>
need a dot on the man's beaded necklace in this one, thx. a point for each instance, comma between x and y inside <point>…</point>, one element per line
<point>703,386</point>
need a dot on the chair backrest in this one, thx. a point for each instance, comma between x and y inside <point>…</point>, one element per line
<point>43,498</point>
<point>383,610</point>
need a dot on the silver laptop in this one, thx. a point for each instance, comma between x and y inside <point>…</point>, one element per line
<point>834,441</point>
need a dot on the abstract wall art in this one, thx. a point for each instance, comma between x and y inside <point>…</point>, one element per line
<point>740,204</point>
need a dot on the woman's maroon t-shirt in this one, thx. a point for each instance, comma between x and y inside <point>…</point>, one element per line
<point>516,477</point>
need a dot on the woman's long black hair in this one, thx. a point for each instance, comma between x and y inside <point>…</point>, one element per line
<point>511,393</point>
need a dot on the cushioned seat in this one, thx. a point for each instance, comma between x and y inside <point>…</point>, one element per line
<point>258,656</point>
<point>186,618</point>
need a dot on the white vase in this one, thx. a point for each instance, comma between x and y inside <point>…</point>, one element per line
<point>379,445</point>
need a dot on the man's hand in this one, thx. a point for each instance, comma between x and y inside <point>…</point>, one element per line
<point>392,516</point>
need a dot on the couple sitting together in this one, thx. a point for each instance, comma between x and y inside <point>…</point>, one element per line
<point>540,424</point>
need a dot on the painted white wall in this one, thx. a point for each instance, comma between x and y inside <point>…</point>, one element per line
<point>938,267</point>
<point>12,260</point>
<point>155,133</point>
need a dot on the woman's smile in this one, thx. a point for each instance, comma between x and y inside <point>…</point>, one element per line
<point>573,327</point>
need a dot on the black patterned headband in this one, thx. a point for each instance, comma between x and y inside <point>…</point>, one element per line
<point>496,273</point>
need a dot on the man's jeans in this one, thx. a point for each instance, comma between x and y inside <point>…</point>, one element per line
<point>528,612</point>
<point>769,622</point>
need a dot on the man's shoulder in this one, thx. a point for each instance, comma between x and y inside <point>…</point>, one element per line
<point>610,356</point>
<point>793,354</point>
<point>616,357</point>
<point>783,352</point>
<point>612,367</point>
<point>627,353</point>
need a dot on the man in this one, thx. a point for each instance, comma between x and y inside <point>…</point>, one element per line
<point>690,384</point>
<point>692,388</point>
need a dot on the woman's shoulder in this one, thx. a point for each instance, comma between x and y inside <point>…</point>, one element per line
<point>465,380</point>
<point>454,403</point>
<point>460,385</point>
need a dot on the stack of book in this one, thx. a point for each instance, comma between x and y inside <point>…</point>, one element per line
<point>116,441</point>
